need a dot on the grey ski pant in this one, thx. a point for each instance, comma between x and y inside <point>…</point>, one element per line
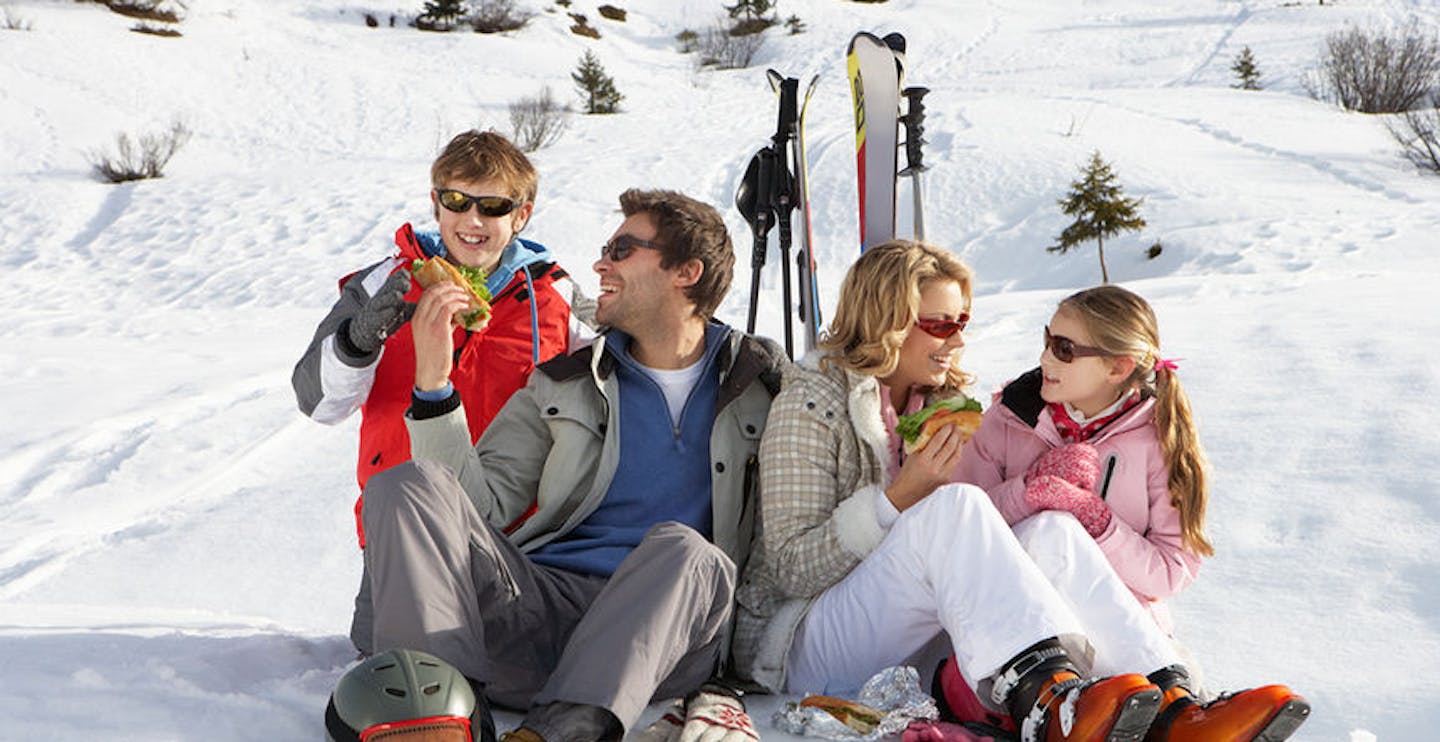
<point>445,581</point>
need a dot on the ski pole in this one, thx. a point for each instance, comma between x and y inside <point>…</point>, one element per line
<point>914,119</point>
<point>755,199</point>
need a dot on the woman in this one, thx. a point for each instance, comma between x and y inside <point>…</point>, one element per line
<point>867,554</point>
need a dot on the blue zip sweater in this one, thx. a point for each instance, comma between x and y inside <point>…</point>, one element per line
<point>663,472</point>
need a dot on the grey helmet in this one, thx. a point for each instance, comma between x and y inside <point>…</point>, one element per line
<point>401,692</point>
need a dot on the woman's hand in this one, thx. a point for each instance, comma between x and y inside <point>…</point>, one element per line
<point>434,334</point>
<point>926,469</point>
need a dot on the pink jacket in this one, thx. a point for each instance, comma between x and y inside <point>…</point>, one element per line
<point>1143,540</point>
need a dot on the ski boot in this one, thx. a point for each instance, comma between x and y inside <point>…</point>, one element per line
<point>1268,714</point>
<point>1046,694</point>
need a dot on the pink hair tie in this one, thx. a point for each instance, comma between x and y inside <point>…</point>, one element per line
<point>1167,364</point>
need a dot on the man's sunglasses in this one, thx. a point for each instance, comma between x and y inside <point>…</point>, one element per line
<point>943,328</point>
<point>622,245</point>
<point>459,202</point>
<point>1066,350</point>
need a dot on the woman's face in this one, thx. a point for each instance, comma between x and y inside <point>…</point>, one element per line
<point>926,360</point>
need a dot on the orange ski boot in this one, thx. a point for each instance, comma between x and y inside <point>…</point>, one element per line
<point>1268,714</point>
<point>1052,703</point>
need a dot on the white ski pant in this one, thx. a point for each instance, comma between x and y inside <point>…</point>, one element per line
<point>447,582</point>
<point>952,564</point>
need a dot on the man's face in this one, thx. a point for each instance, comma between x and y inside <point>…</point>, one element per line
<point>634,288</point>
<point>472,237</point>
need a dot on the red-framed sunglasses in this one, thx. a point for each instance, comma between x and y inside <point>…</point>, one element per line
<point>943,328</point>
<point>1066,350</point>
<point>459,202</point>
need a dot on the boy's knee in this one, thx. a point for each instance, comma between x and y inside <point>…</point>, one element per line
<point>400,486</point>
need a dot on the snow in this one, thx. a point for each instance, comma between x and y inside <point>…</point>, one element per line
<point>176,546</point>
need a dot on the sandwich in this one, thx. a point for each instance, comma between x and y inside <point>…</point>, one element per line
<point>439,270</point>
<point>917,428</point>
<point>857,716</point>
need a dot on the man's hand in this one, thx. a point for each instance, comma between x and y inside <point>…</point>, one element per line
<point>434,334</point>
<point>666,728</point>
<point>382,315</point>
<point>715,713</point>
<point>927,469</point>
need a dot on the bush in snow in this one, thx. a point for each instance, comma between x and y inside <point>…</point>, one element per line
<point>1100,209</point>
<point>720,48</point>
<point>1376,71</point>
<point>596,87</point>
<point>11,22</point>
<point>495,16</point>
<point>1418,133</point>
<point>537,122</point>
<point>141,158</point>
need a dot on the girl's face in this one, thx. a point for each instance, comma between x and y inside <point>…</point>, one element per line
<point>1090,383</point>
<point>925,360</point>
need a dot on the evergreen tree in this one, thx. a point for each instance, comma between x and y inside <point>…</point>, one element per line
<point>444,11</point>
<point>1246,71</point>
<point>751,9</point>
<point>596,88</point>
<point>1100,208</point>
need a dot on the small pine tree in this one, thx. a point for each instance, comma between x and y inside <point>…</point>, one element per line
<point>1100,208</point>
<point>444,11</point>
<point>596,88</point>
<point>1246,71</point>
<point>751,9</point>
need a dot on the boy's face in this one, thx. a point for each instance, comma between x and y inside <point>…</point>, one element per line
<point>472,237</point>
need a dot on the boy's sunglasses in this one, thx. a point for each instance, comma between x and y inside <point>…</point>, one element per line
<point>622,245</point>
<point>1066,350</point>
<point>943,328</point>
<point>459,202</point>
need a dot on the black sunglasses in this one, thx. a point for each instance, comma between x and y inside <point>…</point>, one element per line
<point>1066,350</point>
<point>943,328</point>
<point>459,202</point>
<point>622,245</point>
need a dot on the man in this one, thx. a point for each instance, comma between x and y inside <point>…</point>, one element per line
<point>581,558</point>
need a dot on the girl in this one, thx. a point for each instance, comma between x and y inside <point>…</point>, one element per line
<point>866,554</point>
<point>1102,430</point>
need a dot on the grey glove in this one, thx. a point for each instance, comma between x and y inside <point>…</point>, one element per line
<point>386,311</point>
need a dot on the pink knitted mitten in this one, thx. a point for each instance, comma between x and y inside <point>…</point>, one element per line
<point>1076,463</point>
<point>1049,492</point>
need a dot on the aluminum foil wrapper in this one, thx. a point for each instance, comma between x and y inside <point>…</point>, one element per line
<point>894,691</point>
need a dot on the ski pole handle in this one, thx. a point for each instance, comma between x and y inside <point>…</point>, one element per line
<point>914,119</point>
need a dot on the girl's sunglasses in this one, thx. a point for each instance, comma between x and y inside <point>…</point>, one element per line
<point>622,245</point>
<point>459,202</point>
<point>1066,350</point>
<point>943,328</point>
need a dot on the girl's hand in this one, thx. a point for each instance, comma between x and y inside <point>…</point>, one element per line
<point>434,334</point>
<point>1049,492</point>
<point>926,469</point>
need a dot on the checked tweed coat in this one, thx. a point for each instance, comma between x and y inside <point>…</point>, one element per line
<point>821,471</point>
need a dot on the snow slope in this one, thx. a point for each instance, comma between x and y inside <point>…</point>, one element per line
<point>176,553</point>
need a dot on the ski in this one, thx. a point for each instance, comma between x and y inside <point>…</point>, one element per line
<point>877,73</point>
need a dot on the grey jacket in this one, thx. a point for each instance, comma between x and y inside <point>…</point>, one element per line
<point>547,460</point>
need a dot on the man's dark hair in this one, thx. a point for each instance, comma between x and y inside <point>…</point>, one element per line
<point>688,230</point>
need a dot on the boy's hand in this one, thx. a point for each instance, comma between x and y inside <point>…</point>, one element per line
<point>434,330</point>
<point>382,315</point>
<point>716,714</point>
